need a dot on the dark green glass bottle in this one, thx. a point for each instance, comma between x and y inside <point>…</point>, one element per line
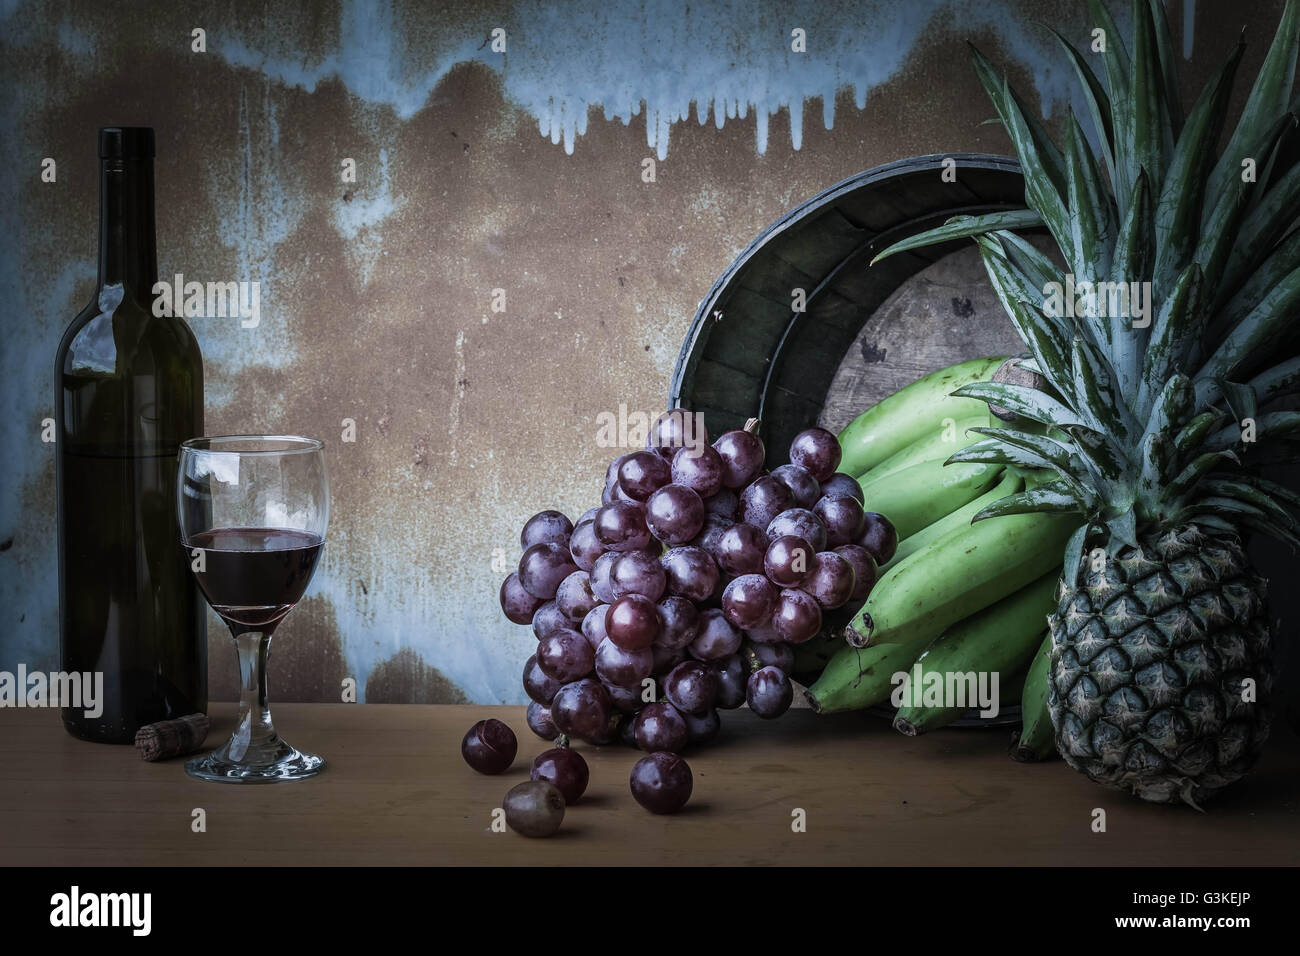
<point>129,388</point>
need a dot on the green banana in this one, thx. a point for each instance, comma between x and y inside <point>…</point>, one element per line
<point>1011,481</point>
<point>960,574</point>
<point>999,640</point>
<point>912,413</point>
<point>949,437</point>
<point>922,494</point>
<point>856,678</point>
<point>1037,736</point>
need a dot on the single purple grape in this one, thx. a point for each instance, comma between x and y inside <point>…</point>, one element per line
<point>661,782</point>
<point>701,472</point>
<point>864,567</point>
<point>584,710</point>
<point>691,687</point>
<point>565,656</point>
<point>732,676</point>
<point>543,567</point>
<point>801,523</point>
<point>584,547</point>
<point>780,656</point>
<point>546,527</point>
<point>715,637</point>
<point>748,600</point>
<point>701,728</point>
<point>762,500</point>
<point>602,584</point>
<point>587,517</point>
<point>843,517</point>
<point>548,619</point>
<point>621,527</point>
<point>540,722</point>
<point>878,537</point>
<point>534,808</point>
<point>817,450</point>
<point>564,769</point>
<point>574,596</point>
<point>674,514</point>
<point>831,581</point>
<point>642,473</point>
<point>741,549</point>
<point>625,668</point>
<point>840,484</point>
<point>689,572</point>
<point>627,731</point>
<point>680,622</point>
<point>804,488</point>
<point>537,684</point>
<point>593,625</point>
<point>638,572</point>
<point>660,727</point>
<point>632,622</point>
<point>519,606</point>
<point>788,561</point>
<point>797,617</point>
<point>490,746</point>
<point>724,503</point>
<point>769,692</point>
<point>742,455</point>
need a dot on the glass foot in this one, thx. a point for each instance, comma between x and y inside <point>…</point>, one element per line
<point>270,762</point>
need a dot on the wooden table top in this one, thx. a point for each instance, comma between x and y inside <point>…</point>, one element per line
<point>397,792</point>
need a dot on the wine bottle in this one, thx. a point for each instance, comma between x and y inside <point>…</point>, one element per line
<point>129,390</point>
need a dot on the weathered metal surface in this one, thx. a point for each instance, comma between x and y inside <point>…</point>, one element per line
<point>376,296</point>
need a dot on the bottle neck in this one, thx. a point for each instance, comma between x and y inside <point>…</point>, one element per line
<point>127,250</point>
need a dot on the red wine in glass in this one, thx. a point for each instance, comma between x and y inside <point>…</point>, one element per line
<point>253,577</point>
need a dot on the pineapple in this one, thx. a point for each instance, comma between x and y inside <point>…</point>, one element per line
<point>1158,412</point>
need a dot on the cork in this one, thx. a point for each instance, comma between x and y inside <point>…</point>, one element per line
<point>172,738</point>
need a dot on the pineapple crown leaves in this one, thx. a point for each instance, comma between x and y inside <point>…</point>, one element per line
<point>1141,421</point>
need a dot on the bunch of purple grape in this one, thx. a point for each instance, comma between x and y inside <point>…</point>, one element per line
<point>686,590</point>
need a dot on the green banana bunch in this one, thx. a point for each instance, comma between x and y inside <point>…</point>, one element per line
<point>1000,640</point>
<point>955,576</point>
<point>1037,737</point>
<point>1012,481</point>
<point>856,678</point>
<point>914,412</point>
<point>918,496</point>
<point>952,435</point>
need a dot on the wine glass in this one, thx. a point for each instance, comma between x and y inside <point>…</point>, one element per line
<point>253,511</point>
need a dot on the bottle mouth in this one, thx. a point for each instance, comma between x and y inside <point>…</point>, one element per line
<point>246,445</point>
<point>126,142</point>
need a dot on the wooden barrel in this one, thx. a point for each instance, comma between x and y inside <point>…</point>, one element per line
<point>750,353</point>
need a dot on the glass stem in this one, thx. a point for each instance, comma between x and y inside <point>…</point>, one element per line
<point>255,728</point>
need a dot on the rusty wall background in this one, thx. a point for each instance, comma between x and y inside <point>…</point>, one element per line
<point>476,170</point>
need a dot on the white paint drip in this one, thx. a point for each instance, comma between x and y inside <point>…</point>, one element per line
<point>666,58</point>
<point>359,220</point>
